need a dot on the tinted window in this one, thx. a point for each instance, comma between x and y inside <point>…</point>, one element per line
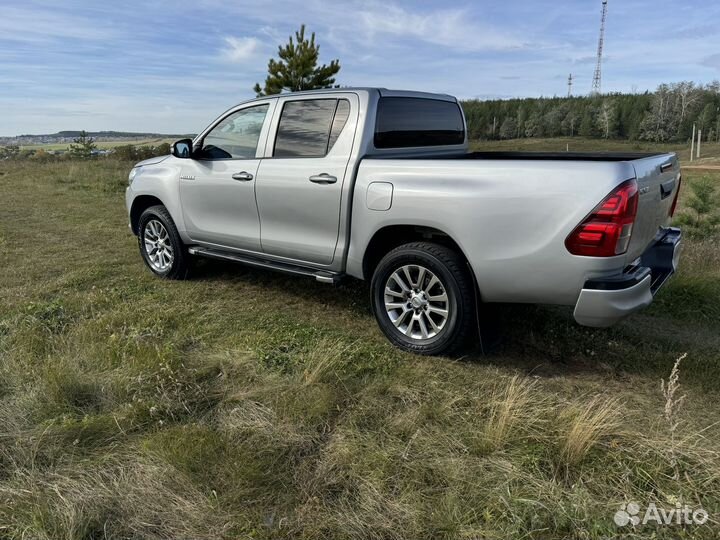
<point>342,112</point>
<point>236,136</point>
<point>304,128</point>
<point>407,122</point>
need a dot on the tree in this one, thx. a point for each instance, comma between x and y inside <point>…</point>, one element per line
<point>82,147</point>
<point>297,68</point>
<point>606,117</point>
<point>508,129</point>
<point>587,125</point>
<point>533,126</point>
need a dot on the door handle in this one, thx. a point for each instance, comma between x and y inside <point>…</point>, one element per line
<point>323,178</point>
<point>242,176</point>
<point>666,189</point>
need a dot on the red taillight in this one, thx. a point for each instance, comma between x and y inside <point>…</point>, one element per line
<point>606,231</point>
<point>675,200</point>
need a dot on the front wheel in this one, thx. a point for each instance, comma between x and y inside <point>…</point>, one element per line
<point>423,298</point>
<point>160,244</point>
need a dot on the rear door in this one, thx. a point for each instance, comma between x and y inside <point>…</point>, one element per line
<point>300,184</point>
<point>217,186</point>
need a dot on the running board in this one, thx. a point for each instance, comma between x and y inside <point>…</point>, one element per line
<point>320,275</point>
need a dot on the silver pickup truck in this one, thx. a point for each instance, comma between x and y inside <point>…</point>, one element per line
<point>379,185</point>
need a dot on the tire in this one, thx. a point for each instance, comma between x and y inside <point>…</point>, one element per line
<point>156,228</point>
<point>422,302</point>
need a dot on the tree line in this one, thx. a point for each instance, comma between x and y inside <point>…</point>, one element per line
<point>84,147</point>
<point>668,114</point>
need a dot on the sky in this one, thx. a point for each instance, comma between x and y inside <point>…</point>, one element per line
<point>172,67</point>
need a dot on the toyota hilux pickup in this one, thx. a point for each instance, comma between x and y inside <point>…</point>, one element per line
<point>379,185</point>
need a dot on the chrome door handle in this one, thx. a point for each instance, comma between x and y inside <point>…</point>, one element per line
<point>323,178</point>
<point>242,176</point>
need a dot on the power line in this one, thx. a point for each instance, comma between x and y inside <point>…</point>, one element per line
<point>597,77</point>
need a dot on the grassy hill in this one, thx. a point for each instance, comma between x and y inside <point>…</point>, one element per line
<point>248,404</point>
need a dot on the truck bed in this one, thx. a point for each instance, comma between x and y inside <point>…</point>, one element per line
<point>561,156</point>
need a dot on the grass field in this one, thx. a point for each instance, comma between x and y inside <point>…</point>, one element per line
<point>102,145</point>
<point>247,404</point>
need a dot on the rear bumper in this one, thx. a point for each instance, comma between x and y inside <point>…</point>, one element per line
<point>604,302</point>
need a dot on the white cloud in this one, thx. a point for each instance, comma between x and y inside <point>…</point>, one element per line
<point>241,49</point>
<point>451,28</point>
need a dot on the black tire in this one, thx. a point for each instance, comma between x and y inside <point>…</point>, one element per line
<point>455,278</point>
<point>180,265</point>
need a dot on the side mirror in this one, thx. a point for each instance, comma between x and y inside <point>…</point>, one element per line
<point>182,148</point>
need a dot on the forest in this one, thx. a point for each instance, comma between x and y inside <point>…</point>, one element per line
<point>667,114</point>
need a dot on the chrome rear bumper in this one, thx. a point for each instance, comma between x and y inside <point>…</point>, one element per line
<point>604,302</point>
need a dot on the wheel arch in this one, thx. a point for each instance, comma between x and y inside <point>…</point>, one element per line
<point>139,205</point>
<point>389,237</point>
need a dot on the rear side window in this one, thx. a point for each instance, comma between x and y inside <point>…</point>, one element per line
<point>408,122</point>
<point>308,128</point>
<point>341,117</point>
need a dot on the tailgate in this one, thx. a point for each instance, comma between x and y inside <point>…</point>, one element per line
<point>658,179</point>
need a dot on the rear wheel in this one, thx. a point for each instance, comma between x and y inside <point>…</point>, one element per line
<point>160,244</point>
<point>423,298</point>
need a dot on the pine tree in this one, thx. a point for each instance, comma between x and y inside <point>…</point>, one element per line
<point>297,68</point>
<point>82,147</point>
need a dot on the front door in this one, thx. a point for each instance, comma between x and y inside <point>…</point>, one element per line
<point>217,186</point>
<point>300,185</point>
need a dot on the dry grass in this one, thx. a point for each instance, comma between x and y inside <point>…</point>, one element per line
<point>589,424</point>
<point>513,406</point>
<point>119,497</point>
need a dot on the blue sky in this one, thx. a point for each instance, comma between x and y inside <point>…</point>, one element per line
<point>173,66</point>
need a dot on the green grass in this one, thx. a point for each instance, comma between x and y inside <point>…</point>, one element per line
<point>247,404</point>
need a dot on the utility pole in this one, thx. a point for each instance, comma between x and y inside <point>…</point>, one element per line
<point>570,80</point>
<point>698,145</point>
<point>717,128</point>
<point>597,77</point>
<point>692,144</point>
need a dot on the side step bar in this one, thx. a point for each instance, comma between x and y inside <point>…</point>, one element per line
<point>320,275</point>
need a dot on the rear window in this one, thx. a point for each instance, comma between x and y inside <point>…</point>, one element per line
<point>408,122</point>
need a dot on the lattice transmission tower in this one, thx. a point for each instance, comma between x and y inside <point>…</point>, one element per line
<point>597,77</point>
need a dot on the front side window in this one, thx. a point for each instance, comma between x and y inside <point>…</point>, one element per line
<point>305,127</point>
<point>236,136</point>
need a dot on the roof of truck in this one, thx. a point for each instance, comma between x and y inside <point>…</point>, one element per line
<point>385,92</point>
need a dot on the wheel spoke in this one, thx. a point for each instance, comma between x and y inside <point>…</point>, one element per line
<point>442,312</point>
<point>406,271</point>
<point>421,277</point>
<point>438,298</point>
<point>396,277</point>
<point>396,294</point>
<point>408,330</point>
<point>434,326</point>
<point>397,322</point>
<point>423,327</point>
